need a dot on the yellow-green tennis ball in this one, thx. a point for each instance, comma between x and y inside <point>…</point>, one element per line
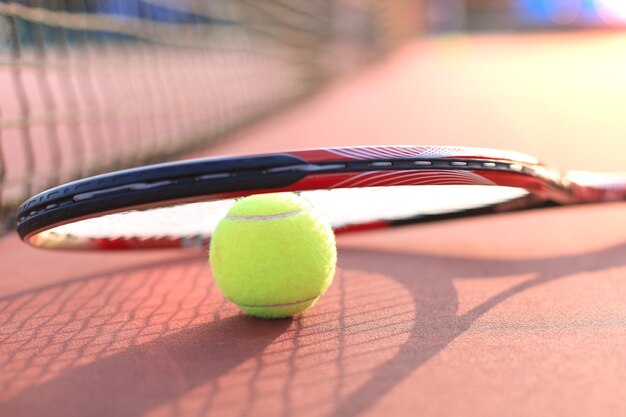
<point>273,255</point>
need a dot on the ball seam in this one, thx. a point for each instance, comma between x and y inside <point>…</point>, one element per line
<point>266,217</point>
<point>277,305</point>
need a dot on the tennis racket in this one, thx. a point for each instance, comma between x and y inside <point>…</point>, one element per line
<point>176,205</point>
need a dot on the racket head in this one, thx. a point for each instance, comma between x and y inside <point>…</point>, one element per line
<point>358,188</point>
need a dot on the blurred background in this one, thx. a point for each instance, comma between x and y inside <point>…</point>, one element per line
<point>519,15</point>
<point>89,86</point>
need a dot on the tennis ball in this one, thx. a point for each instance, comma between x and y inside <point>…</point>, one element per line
<point>273,255</point>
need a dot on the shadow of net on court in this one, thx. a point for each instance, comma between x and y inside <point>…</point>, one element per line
<point>161,337</point>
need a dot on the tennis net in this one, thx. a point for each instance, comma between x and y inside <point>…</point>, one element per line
<point>88,86</point>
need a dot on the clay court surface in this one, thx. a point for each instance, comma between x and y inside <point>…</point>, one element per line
<point>517,314</point>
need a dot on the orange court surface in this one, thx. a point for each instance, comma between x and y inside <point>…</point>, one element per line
<point>511,315</point>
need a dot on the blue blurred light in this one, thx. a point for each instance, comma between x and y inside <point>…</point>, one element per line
<point>555,12</point>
